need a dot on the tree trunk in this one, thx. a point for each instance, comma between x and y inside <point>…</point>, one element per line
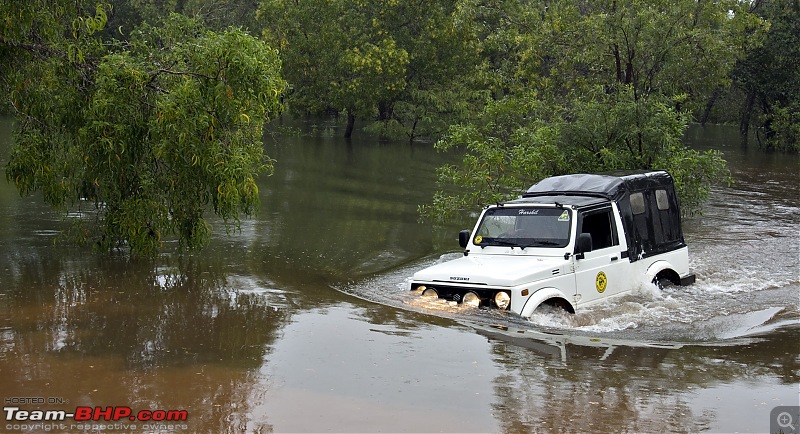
<point>769,132</point>
<point>351,121</point>
<point>385,110</point>
<point>629,70</point>
<point>744,123</point>
<point>413,130</point>
<point>710,105</point>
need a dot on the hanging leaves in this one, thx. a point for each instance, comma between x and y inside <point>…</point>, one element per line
<point>150,134</point>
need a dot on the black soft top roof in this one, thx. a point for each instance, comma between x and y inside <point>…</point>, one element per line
<point>612,185</point>
<point>654,228</point>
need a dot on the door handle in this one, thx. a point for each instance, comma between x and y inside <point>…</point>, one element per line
<point>614,258</point>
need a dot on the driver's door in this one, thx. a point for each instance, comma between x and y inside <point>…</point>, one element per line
<point>601,272</point>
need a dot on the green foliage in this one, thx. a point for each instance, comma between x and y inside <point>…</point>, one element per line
<point>149,133</point>
<point>332,56</point>
<point>214,14</point>
<point>784,127</point>
<point>770,78</point>
<point>669,47</point>
<point>402,63</point>
<point>509,152</point>
<point>592,87</point>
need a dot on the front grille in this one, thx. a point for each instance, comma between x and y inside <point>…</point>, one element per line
<point>456,293</point>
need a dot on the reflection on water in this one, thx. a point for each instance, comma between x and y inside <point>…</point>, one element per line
<point>354,368</point>
<point>303,320</point>
<point>100,332</point>
<point>609,385</point>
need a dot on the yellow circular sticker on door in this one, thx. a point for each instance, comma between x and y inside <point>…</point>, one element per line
<point>600,282</point>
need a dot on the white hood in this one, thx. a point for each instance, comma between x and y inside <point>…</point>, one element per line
<point>493,270</point>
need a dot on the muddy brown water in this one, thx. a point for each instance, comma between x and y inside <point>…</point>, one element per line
<point>302,322</point>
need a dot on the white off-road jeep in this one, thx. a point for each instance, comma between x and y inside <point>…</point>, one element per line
<point>569,241</point>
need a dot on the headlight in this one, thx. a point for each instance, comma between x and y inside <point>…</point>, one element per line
<point>430,292</point>
<point>471,299</point>
<point>502,300</point>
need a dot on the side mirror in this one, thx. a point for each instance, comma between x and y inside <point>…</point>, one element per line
<point>463,238</point>
<point>584,244</point>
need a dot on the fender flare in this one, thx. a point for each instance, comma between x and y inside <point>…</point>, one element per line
<point>657,267</point>
<point>539,297</point>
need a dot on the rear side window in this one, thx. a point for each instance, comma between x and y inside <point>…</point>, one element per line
<point>662,200</point>
<point>637,203</point>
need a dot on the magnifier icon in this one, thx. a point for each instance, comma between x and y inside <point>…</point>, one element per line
<point>785,420</point>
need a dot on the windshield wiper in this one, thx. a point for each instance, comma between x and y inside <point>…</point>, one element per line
<point>541,243</point>
<point>501,242</point>
<point>509,243</point>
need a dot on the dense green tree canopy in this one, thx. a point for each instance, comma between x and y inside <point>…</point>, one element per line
<point>770,78</point>
<point>402,62</point>
<point>334,57</point>
<point>594,86</point>
<point>215,14</point>
<point>143,134</point>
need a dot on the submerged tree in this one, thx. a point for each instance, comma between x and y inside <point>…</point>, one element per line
<point>147,132</point>
<point>334,59</point>
<point>770,79</point>
<point>594,86</point>
<point>403,63</point>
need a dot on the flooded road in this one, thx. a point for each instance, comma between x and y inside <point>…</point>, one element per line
<point>302,322</point>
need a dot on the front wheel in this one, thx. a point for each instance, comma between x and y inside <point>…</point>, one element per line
<point>559,304</point>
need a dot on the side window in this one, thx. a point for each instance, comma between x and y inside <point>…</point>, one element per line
<point>600,225</point>
<point>637,203</point>
<point>662,201</point>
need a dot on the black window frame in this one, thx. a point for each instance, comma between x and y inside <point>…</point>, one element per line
<point>614,235</point>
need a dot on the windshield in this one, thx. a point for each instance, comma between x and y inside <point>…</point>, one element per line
<point>524,227</point>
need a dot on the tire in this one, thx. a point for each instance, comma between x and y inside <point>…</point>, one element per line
<point>662,282</point>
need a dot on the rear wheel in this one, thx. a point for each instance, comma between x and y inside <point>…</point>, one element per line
<point>665,279</point>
